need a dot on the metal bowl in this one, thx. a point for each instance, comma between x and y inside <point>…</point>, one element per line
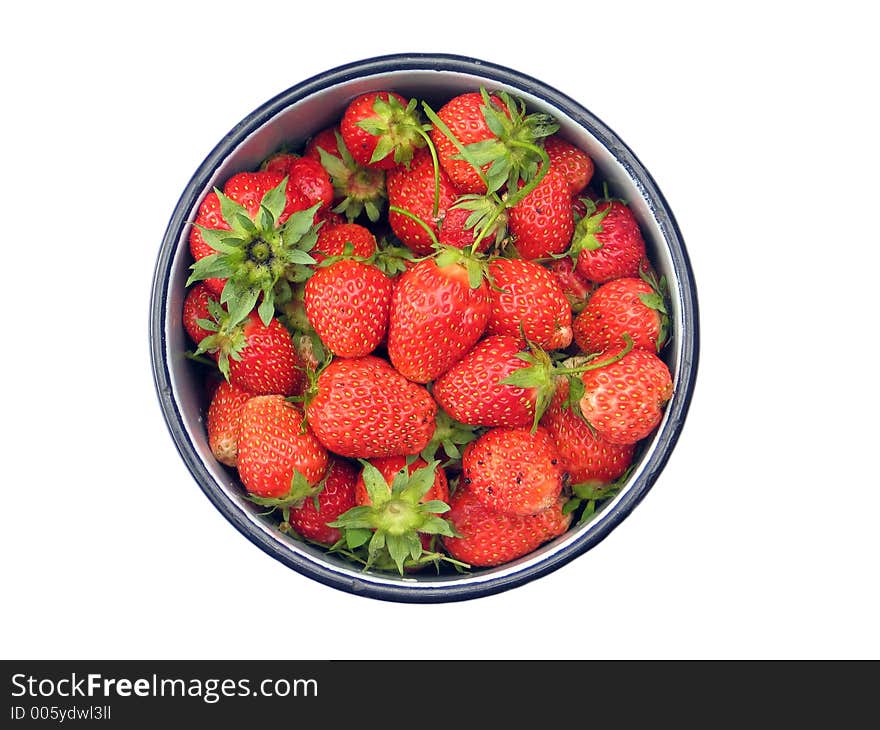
<point>292,117</point>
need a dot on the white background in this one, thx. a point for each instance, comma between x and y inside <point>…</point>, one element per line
<point>759,540</point>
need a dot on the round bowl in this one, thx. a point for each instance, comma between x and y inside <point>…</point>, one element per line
<point>292,117</point>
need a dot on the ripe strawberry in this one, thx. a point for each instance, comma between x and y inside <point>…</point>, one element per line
<point>256,243</point>
<point>541,223</point>
<point>585,456</point>
<point>208,216</point>
<point>223,421</point>
<point>455,232</point>
<point>251,355</point>
<point>412,190</point>
<point>312,182</point>
<point>195,307</point>
<point>278,455</point>
<point>624,400</point>
<point>357,189</point>
<point>485,142</point>
<point>363,408</point>
<point>381,129</point>
<point>473,391</point>
<point>575,164</point>
<point>436,315</point>
<point>332,240</point>
<point>336,495</point>
<point>347,302</point>
<point>527,301</point>
<point>574,286</point>
<point>489,538</point>
<point>514,470</point>
<point>607,243</point>
<point>399,503</point>
<point>622,306</point>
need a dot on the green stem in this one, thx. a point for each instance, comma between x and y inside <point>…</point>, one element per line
<point>436,163</point>
<point>601,363</point>
<point>418,220</point>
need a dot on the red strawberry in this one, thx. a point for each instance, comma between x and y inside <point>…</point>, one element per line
<point>463,117</point>
<point>624,400</point>
<point>412,190</point>
<point>607,243</point>
<point>472,391</point>
<point>456,229</point>
<point>489,538</point>
<point>576,288</point>
<point>436,317</point>
<point>399,502</point>
<point>585,456</point>
<point>208,216</point>
<point>347,302</point>
<point>541,224</point>
<point>363,408</point>
<point>336,495</point>
<point>277,452</point>
<point>487,142</point>
<point>256,255</point>
<point>575,164</point>
<point>223,421</point>
<point>312,182</point>
<point>381,129</point>
<point>514,470</point>
<point>195,307</point>
<point>257,357</point>
<point>332,240</point>
<point>622,306</point>
<point>527,301</point>
<point>357,188</point>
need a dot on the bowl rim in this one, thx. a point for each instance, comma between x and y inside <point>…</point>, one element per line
<point>676,408</point>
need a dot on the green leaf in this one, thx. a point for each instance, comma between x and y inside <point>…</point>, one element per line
<point>653,301</point>
<point>355,537</point>
<point>298,225</point>
<point>356,518</point>
<point>373,125</point>
<point>295,256</point>
<point>274,201</point>
<point>377,487</point>
<point>398,548</point>
<point>235,215</point>
<point>239,302</point>
<point>221,240</point>
<point>266,309</point>
<point>214,266</point>
<point>419,483</point>
<point>435,506</point>
<point>384,147</point>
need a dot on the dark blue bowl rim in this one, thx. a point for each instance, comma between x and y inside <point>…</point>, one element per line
<point>676,408</point>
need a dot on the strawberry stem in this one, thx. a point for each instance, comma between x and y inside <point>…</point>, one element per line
<point>418,220</point>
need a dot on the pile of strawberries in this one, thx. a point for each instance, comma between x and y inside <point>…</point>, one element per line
<point>426,337</point>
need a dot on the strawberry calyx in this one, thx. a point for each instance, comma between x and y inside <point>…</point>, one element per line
<point>541,374</point>
<point>226,339</point>
<point>256,252</point>
<point>587,229</point>
<point>461,264</point>
<point>398,127</point>
<point>360,189</point>
<point>300,491</point>
<point>656,300</point>
<point>449,435</point>
<point>390,526</point>
<point>589,494</point>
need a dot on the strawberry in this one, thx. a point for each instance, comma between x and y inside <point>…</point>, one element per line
<point>195,307</point>
<point>585,456</point>
<point>541,223</point>
<point>223,421</point>
<point>256,243</point>
<point>382,130</point>
<point>251,355</point>
<point>624,400</point>
<point>357,189</point>
<point>574,286</point>
<point>363,408</point>
<point>208,216</point>
<point>439,309</point>
<point>514,470</point>
<point>399,503</point>
<point>455,232</point>
<point>473,390</point>
<point>626,305</point>
<point>489,538</point>
<point>336,495</point>
<point>332,241</point>
<point>278,455</point>
<point>527,301</point>
<point>347,302</point>
<point>418,202</point>
<point>575,164</point>
<point>485,142</point>
<point>312,182</point>
<point>607,243</point>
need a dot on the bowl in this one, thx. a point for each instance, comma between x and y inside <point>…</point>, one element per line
<point>291,118</point>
